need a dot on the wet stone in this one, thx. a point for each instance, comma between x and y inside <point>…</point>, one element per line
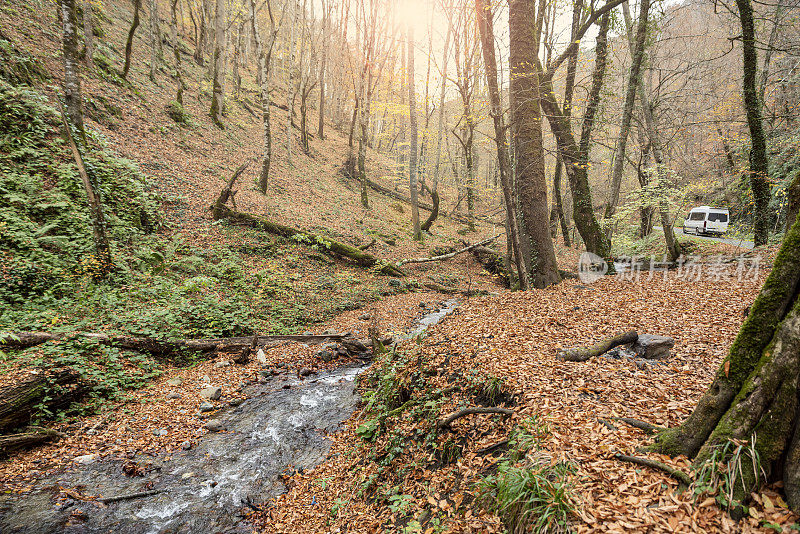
<point>214,425</point>
<point>211,392</point>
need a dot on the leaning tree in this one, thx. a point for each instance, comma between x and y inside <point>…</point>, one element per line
<point>753,401</point>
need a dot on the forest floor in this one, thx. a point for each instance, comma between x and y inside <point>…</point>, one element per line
<point>515,337</point>
<point>510,337</point>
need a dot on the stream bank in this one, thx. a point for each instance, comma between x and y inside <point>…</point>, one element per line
<point>281,426</point>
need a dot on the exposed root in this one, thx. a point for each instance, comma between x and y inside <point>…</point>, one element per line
<point>447,421</point>
<point>677,474</point>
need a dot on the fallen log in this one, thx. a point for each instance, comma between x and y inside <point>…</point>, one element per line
<point>443,257</point>
<point>447,421</point>
<point>33,436</point>
<point>582,354</point>
<point>19,402</point>
<point>359,257</point>
<point>22,340</point>
<point>492,261</point>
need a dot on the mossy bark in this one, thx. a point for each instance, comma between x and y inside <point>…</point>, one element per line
<point>754,394</point>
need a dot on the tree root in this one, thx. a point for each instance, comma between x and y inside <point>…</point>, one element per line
<point>447,421</point>
<point>641,425</point>
<point>655,464</point>
<point>491,448</point>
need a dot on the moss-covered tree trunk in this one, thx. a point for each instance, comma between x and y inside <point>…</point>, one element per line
<point>754,395</point>
<point>759,179</point>
<point>526,133</point>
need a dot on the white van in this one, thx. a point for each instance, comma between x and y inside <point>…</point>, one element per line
<point>706,220</point>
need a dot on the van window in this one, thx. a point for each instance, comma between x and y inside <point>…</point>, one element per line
<point>718,217</point>
<point>697,216</point>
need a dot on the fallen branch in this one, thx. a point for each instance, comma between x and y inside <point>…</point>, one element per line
<point>654,464</point>
<point>443,257</point>
<point>641,425</point>
<point>491,448</point>
<point>337,248</point>
<point>425,206</point>
<point>129,496</point>
<point>227,191</point>
<point>447,421</point>
<point>22,340</point>
<point>581,354</point>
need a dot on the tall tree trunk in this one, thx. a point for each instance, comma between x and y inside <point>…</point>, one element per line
<point>199,51</point>
<point>137,5</point>
<point>290,80</point>
<point>441,110</point>
<point>655,147</point>
<point>326,22</point>
<point>793,201</point>
<point>72,75</point>
<point>575,155</point>
<point>155,38</point>
<point>486,29</point>
<point>753,398</point>
<point>559,203</point>
<point>412,148</point>
<point>88,33</point>
<point>637,54</point>
<point>218,97</point>
<point>264,54</point>
<point>176,49</point>
<point>759,177</point>
<point>526,127</point>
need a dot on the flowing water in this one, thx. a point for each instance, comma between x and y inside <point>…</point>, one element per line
<point>281,425</point>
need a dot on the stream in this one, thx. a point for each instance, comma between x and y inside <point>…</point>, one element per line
<point>281,425</point>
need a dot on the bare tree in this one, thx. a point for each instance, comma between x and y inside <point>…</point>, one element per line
<point>486,28</point>
<point>218,97</point>
<point>176,49</point>
<point>155,38</point>
<point>412,147</point>
<point>72,75</point>
<point>137,5</point>
<point>631,88</point>
<point>88,33</point>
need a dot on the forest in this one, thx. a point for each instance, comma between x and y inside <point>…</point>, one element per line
<point>413,266</point>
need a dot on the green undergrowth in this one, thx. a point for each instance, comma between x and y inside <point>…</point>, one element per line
<point>405,397</point>
<point>531,491</point>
